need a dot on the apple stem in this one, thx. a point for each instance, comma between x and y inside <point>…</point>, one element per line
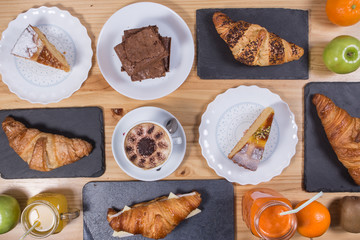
<point>350,54</point>
<point>353,6</point>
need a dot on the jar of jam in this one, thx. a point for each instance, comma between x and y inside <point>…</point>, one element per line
<point>50,210</point>
<point>261,213</point>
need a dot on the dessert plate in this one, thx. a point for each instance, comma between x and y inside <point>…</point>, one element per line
<point>38,83</point>
<point>232,113</point>
<point>139,15</point>
<point>152,114</point>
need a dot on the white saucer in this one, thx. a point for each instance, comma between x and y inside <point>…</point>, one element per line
<point>153,114</point>
<point>38,83</point>
<point>232,113</point>
<point>170,24</point>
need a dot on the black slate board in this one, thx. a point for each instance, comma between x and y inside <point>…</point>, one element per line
<point>216,221</point>
<point>322,169</point>
<point>86,123</point>
<point>215,60</point>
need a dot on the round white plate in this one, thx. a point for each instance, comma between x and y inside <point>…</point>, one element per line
<point>170,25</point>
<point>152,114</point>
<point>232,113</point>
<point>38,83</point>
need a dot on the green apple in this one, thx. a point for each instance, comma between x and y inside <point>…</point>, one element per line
<point>9,213</point>
<point>342,54</point>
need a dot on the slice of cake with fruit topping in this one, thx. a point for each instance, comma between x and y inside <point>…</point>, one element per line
<point>33,45</point>
<point>250,149</point>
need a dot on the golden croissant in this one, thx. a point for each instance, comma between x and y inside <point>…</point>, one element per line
<point>252,44</point>
<point>343,132</point>
<point>154,219</point>
<point>43,151</point>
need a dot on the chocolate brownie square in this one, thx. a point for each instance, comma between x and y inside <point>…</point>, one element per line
<point>165,40</point>
<point>156,69</point>
<point>167,44</point>
<point>140,50</point>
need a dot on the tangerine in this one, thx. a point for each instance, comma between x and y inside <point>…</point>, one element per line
<point>313,220</point>
<point>343,12</point>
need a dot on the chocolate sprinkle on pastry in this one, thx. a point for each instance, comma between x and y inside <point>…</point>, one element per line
<point>252,44</point>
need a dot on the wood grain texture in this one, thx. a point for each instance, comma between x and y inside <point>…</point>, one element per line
<point>187,103</point>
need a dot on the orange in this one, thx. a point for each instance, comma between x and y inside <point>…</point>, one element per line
<point>343,12</point>
<point>313,220</point>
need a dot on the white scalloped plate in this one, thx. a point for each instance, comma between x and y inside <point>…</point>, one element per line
<point>224,122</point>
<point>38,83</point>
<point>170,24</point>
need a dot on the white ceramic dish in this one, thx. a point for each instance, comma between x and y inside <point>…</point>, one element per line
<point>170,24</point>
<point>38,83</point>
<point>152,114</point>
<point>226,119</point>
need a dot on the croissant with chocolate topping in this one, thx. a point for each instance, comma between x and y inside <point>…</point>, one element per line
<point>253,45</point>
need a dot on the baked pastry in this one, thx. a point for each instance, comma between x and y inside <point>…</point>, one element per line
<point>43,151</point>
<point>33,45</point>
<point>249,150</point>
<point>252,44</point>
<point>343,133</point>
<point>154,219</point>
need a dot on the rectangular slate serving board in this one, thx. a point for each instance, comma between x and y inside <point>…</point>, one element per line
<point>215,60</point>
<point>322,169</point>
<point>216,221</point>
<point>86,123</point>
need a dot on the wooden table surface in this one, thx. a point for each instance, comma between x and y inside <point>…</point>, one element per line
<point>187,103</point>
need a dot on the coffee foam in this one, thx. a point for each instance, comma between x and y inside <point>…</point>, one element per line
<point>147,145</point>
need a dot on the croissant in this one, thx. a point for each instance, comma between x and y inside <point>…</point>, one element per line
<point>253,45</point>
<point>43,151</point>
<point>343,132</point>
<point>154,219</point>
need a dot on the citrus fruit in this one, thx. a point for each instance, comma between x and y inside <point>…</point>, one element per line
<point>343,12</point>
<point>313,220</point>
<point>9,213</point>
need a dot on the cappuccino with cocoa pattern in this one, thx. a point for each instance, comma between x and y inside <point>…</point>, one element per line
<point>147,145</point>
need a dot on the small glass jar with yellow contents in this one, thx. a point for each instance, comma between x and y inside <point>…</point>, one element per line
<point>49,211</point>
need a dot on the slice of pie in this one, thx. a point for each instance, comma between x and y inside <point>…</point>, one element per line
<point>250,149</point>
<point>33,45</point>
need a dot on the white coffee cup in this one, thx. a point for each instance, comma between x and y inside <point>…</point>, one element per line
<point>147,152</point>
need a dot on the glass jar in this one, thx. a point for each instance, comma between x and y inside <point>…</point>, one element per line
<point>50,210</point>
<point>261,213</point>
